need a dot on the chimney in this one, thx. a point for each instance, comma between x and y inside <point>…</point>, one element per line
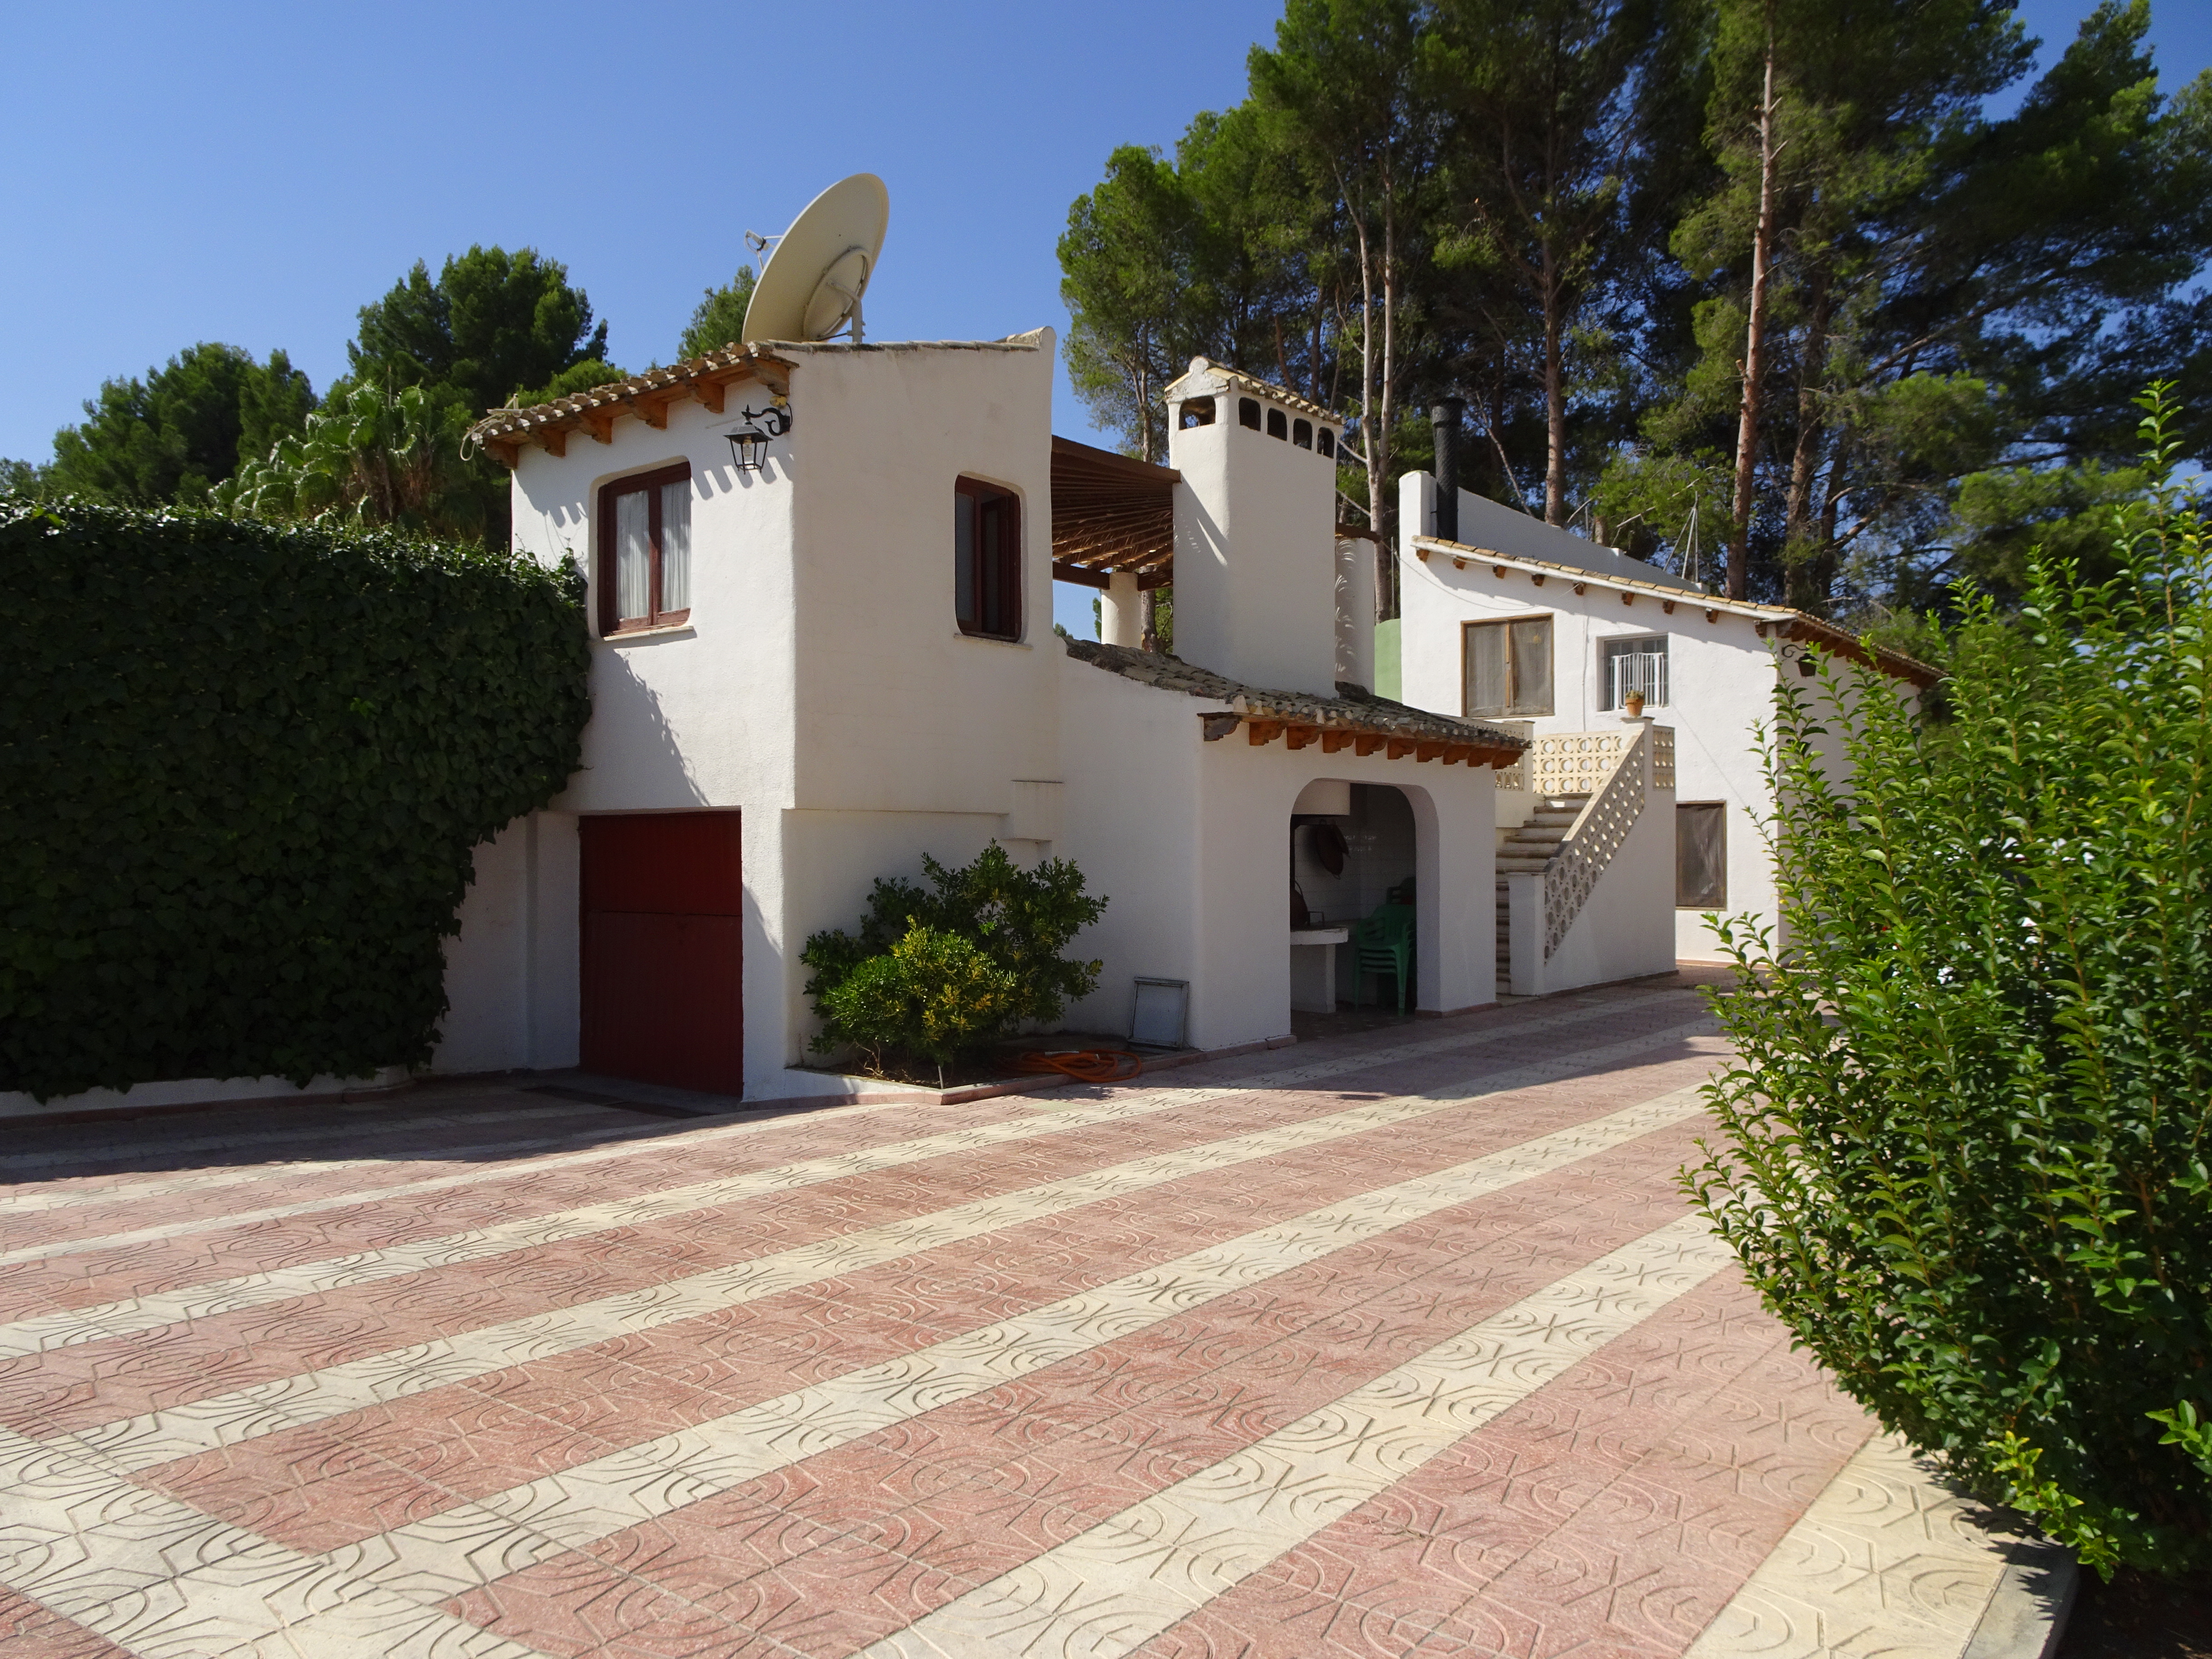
<point>1444,416</point>
<point>1256,581</point>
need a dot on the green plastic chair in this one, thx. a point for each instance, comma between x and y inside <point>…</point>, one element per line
<point>1383,944</point>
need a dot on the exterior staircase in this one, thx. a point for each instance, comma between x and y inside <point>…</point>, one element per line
<point>1526,851</point>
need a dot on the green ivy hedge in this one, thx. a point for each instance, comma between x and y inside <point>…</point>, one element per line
<point>242,767</point>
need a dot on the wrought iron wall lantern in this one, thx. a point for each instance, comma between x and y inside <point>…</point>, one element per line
<point>1808,665</point>
<point>749,444</point>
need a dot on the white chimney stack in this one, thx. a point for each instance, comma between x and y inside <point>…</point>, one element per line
<point>1256,576</point>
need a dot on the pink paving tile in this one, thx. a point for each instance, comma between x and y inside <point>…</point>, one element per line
<point>835,1599</point>
<point>139,1268</point>
<point>29,1631</point>
<point>576,1606</point>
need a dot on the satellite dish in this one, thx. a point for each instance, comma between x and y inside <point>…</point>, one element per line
<point>813,281</point>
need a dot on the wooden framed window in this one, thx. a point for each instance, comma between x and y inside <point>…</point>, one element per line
<point>1507,666</point>
<point>645,550</point>
<point>987,560</point>
<point>1701,856</point>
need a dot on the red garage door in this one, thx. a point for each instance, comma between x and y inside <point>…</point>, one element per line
<point>663,1001</point>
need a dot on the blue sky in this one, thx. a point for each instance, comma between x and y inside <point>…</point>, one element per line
<point>254,174</point>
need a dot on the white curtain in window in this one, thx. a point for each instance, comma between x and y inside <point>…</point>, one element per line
<point>675,545</point>
<point>633,556</point>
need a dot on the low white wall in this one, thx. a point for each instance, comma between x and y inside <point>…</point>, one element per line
<point>513,974</point>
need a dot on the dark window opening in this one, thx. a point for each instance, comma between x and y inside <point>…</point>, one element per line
<point>1326,443</point>
<point>1701,856</point>
<point>645,550</point>
<point>1507,666</point>
<point>1302,434</point>
<point>1195,411</point>
<point>1277,426</point>
<point>1248,412</point>
<point>987,560</point>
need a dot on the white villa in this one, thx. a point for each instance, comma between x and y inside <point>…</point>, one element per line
<point>821,581</point>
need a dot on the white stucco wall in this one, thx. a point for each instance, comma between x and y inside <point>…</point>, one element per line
<point>1627,926</point>
<point>1721,673</point>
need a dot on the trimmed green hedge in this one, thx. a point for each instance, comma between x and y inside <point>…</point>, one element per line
<point>242,767</point>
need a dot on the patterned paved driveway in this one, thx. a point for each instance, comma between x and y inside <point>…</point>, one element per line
<point>1394,1344</point>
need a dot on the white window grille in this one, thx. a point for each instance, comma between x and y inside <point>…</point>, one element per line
<point>1634,667</point>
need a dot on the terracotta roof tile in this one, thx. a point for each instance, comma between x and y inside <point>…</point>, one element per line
<point>1353,709</point>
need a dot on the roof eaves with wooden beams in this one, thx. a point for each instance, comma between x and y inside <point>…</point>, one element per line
<point>1110,515</point>
<point>593,413</point>
<point>1784,622</point>
<point>1353,720</point>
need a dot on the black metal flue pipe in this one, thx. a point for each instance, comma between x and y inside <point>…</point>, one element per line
<point>1444,417</point>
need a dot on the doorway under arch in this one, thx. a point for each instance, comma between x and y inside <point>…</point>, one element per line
<point>1354,849</point>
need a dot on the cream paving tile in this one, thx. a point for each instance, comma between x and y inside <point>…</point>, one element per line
<point>161,1578</point>
<point>1887,1561</point>
<point>476,1543</point>
<point>594,1218</point>
<point>1111,1588</point>
<point>228,1420</point>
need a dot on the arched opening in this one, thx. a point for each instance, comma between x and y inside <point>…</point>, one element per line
<point>1279,425</point>
<point>1354,941</point>
<point>1302,434</point>
<point>1326,441</point>
<point>1194,411</point>
<point>1248,412</point>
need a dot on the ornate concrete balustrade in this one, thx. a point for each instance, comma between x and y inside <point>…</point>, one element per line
<point>1616,767</point>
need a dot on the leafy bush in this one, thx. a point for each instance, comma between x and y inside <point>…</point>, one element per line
<point>1967,1126</point>
<point>241,770</point>
<point>939,971</point>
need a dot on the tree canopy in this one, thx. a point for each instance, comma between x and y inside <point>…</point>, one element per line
<point>492,324</point>
<point>175,435</point>
<point>1827,295</point>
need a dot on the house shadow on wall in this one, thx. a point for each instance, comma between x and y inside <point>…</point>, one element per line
<point>650,768</point>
